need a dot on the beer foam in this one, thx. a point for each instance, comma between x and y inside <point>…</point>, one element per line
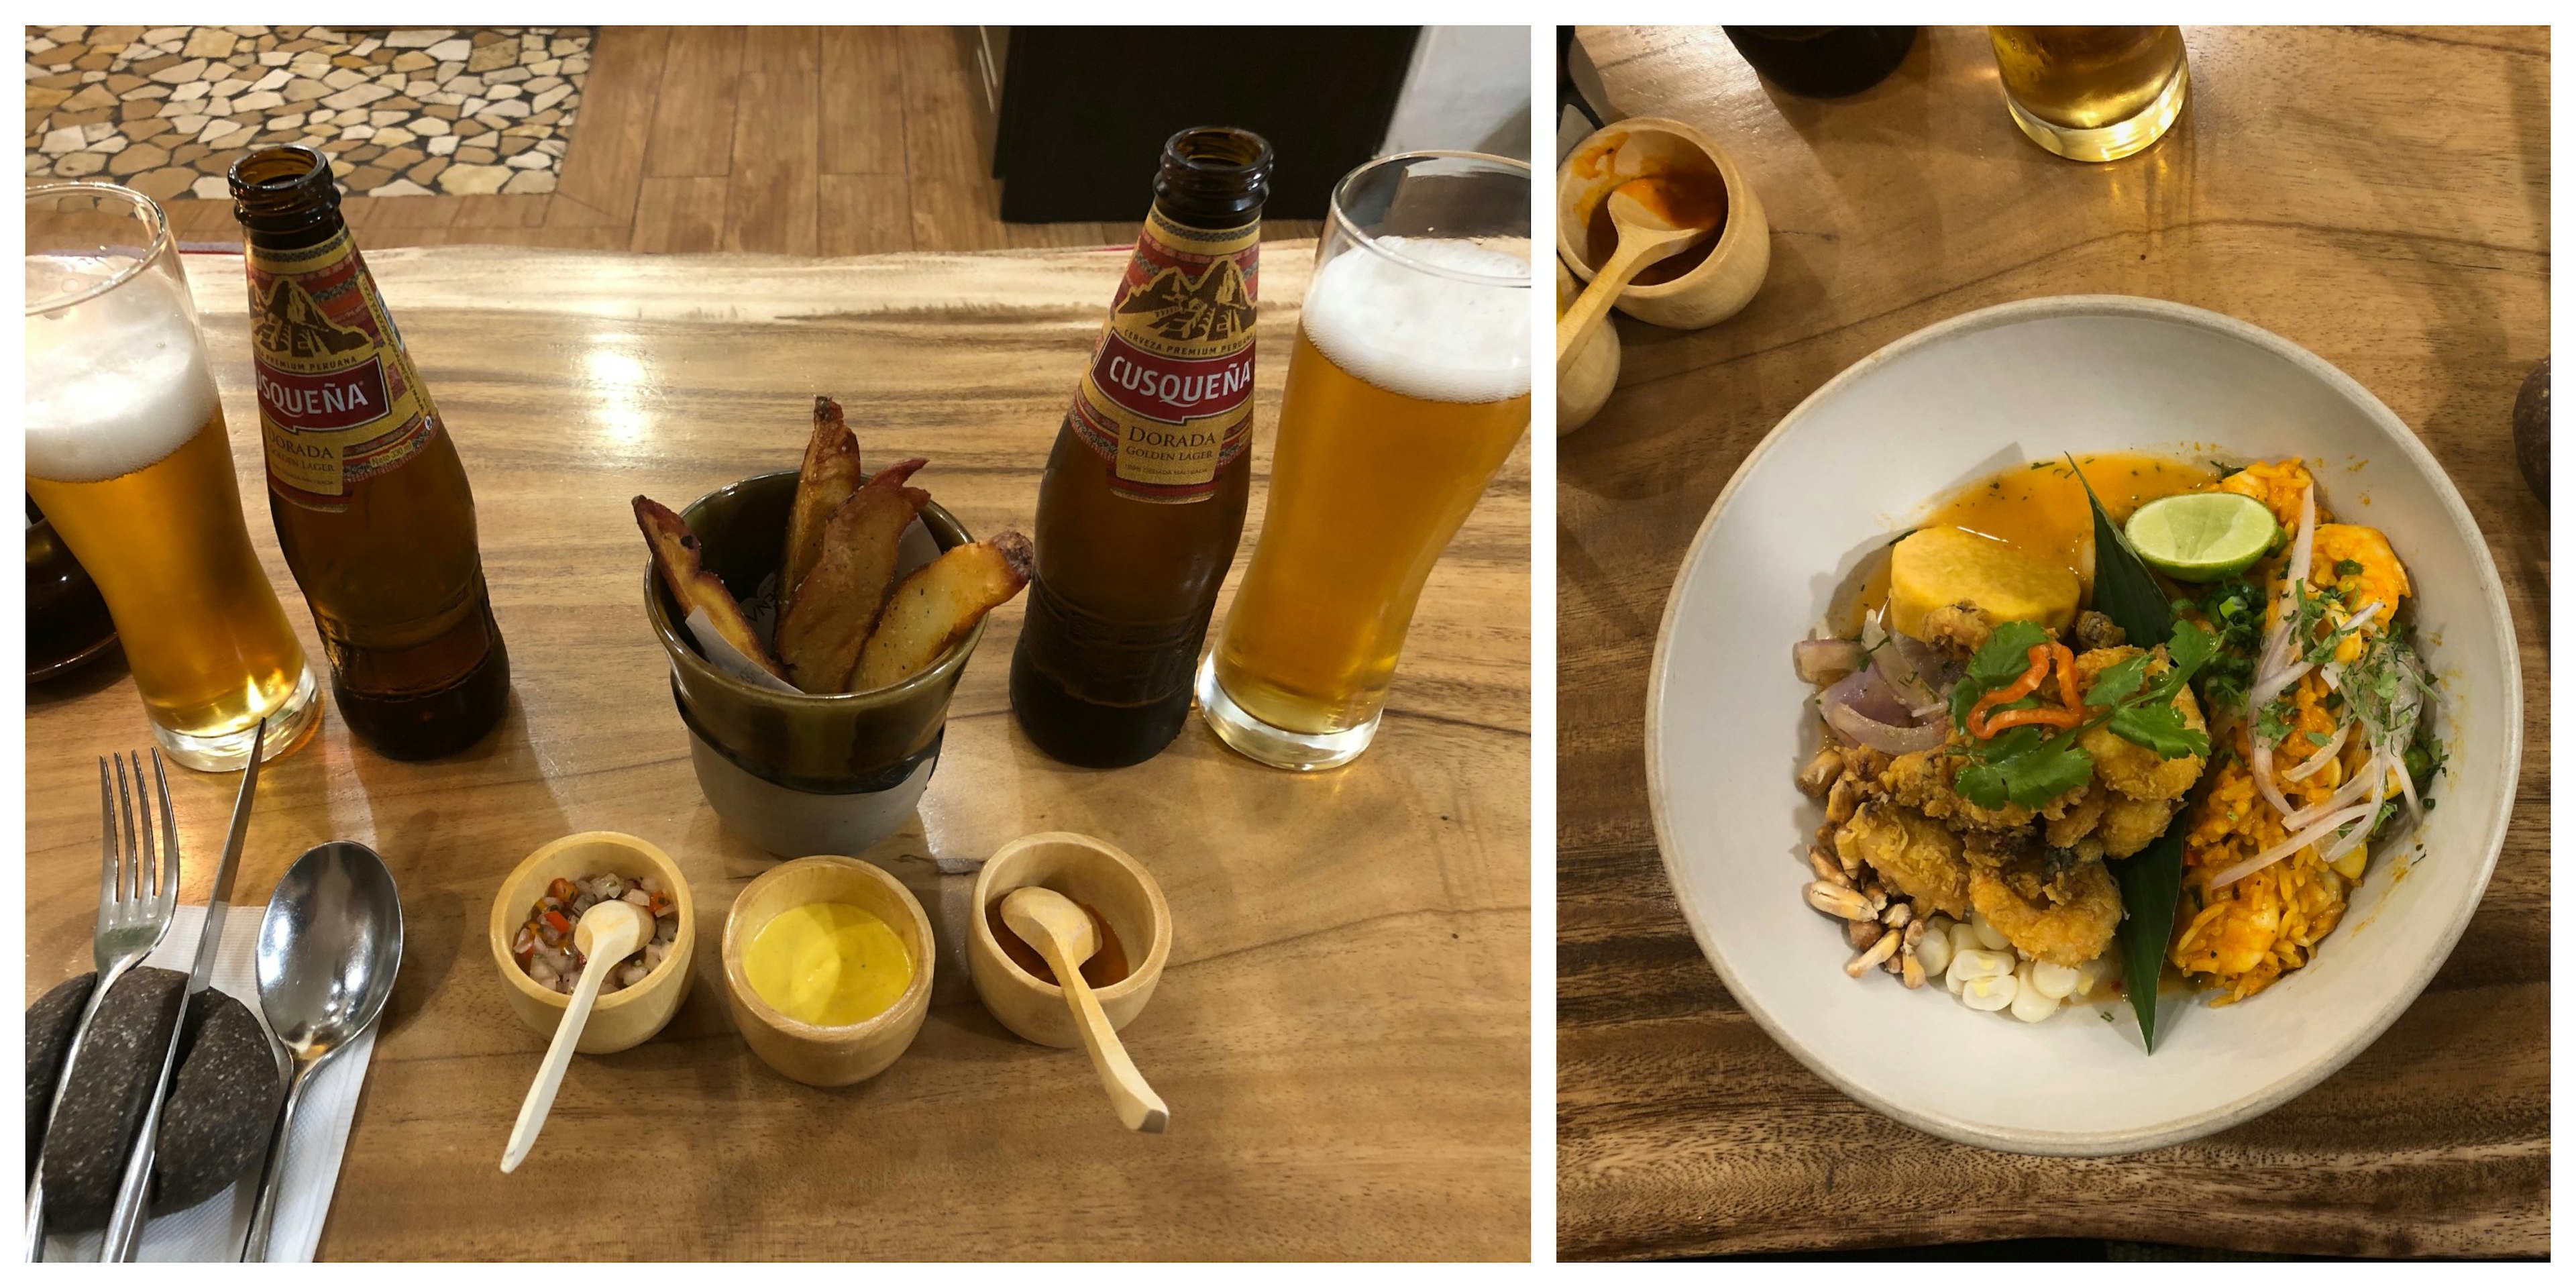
<point>114,382</point>
<point>1421,334</point>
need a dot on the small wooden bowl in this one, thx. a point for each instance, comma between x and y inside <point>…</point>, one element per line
<point>1723,283</point>
<point>1089,871</point>
<point>630,1015</point>
<point>1590,372</point>
<point>828,1055</point>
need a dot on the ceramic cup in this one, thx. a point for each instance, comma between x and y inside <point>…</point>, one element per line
<point>1721,285</point>
<point>801,773</point>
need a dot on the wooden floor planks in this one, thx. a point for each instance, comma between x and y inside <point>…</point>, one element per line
<point>782,140</point>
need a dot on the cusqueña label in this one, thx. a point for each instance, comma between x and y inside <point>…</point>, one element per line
<point>1167,399</point>
<point>338,399</point>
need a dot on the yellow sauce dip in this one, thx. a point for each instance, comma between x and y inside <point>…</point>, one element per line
<point>828,963</point>
<point>2040,508</point>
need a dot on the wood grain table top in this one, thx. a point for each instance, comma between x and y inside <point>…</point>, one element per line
<point>1343,1029</point>
<point>2379,197</point>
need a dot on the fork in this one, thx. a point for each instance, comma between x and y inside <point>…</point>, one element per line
<point>135,904</point>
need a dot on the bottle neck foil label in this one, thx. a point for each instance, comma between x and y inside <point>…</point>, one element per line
<point>339,401</point>
<point>1167,399</point>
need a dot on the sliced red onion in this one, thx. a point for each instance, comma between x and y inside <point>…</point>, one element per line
<point>2405,783</point>
<point>2279,683</point>
<point>2318,761</point>
<point>2359,786</point>
<point>2358,835</point>
<point>2263,778</point>
<point>2285,849</point>
<point>1863,709</point>
<point>1821,660</point>
<point>2303,550</point>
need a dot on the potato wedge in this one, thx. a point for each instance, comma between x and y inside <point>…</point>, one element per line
<point>824,483</point>
<point>820,634</point>
<point>939,602</point>
<point>675,552</point>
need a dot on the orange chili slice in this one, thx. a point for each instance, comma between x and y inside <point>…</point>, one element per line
<point>2054,717</point>
<point>2066,677</point>
<point>2027,684</point>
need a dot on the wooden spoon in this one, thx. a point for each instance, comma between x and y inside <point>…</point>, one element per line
<point>608,934</point>
<point>1639,209</point>
<point>1061,932</point>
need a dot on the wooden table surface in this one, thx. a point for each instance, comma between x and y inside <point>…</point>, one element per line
<point>2380,197</point>
<point>1343,1030</point>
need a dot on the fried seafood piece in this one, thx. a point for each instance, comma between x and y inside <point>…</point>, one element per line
<point>1925,781</point>
<point>1915,856</point>
<point>2123,766</point>
<point>2065,916</point>
<point>1998,849</point>
<point>2080,817</point>
<point>1957,629</point>
<point>2094,630</point>
<point>2359,562</point>
<point>2130,825</point>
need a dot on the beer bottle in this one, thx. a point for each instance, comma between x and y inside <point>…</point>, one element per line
<point>1144,492</point>
<point>371,503</point>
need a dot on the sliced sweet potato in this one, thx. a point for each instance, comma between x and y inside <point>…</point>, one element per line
<point>675,552</point>
<point>820,634</point>
<point>824,483</point>
<point>939,602</point>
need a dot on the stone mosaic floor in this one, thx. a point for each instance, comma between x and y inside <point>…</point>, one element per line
<point>402,112</point>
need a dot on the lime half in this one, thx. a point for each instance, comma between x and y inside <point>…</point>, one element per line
<point>2203,536</point>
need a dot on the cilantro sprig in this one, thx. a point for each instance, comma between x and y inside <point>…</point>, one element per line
<point>2029,768</point>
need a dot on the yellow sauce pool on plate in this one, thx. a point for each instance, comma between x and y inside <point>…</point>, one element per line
<point>828,963</point>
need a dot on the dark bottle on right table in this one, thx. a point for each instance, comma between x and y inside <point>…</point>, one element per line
<point>1144,495</point>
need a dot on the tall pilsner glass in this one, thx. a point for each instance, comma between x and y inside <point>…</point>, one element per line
<point>128,456</point>
<point>1408,386</point>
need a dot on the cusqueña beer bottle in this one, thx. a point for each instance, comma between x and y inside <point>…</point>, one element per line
<point>371,503</point>
<point>1144,493</point>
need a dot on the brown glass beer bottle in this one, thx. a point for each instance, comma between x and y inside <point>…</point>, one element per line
<point>1144,493</point>
<point>372,506</point>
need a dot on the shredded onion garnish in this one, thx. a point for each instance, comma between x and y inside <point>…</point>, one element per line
<point>1864,709</point>
<point>2373,770</point>
<point>2301,841</point>
<point>2318,761</point>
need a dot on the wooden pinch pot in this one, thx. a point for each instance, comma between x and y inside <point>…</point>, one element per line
<point>630,1015</point>
<point>1584,381</point>
<point>828,1055</point>
<point>1718,287</point>
<point>1090,871</point>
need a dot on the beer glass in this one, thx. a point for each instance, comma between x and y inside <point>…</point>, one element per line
<point>128,456</point>
<point>1409,384</point>
<point>2092,93</point>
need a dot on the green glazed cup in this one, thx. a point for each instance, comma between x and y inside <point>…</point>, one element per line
<point>800,773</point>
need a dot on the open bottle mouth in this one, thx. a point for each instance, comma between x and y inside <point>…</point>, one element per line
<point>1214,171</point>
<point>282,188</point>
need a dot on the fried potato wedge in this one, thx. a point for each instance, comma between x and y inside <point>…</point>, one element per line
<point>824,483</point>
<point>675,552</point>
<point>820,634</point>
<point>938,603</point>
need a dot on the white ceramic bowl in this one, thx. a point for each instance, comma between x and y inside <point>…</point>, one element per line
<point>1726,717</point>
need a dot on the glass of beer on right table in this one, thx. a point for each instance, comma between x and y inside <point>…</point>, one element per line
<point>1408,387</point>
<point>127,454</point>
<point>2092,93</point>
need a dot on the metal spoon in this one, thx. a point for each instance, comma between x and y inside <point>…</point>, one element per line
<point>329,946</point>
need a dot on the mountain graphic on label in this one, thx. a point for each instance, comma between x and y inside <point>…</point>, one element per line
<point>293,325</point>
<point>1216,307</point>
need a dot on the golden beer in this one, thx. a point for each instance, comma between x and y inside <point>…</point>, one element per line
<point>1408,386</point>
<point>2092,93</point>
<point>128,455</point>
